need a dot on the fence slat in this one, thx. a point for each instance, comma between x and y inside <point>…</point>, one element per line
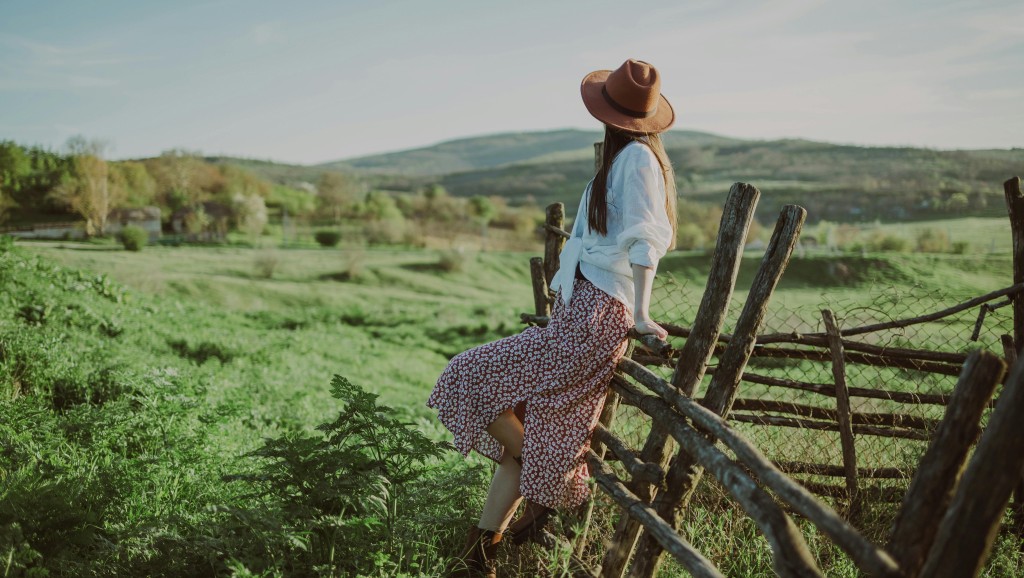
<point>638,470</point>
<point>867,556</point>
<point>813,411</point>
<point>737,215</point>
<point>540,287</point>
<point>555,218</point>
<point>830,390</point>
<point>692,560</point>
<point>967,531</point>
<point>932,486</point>
<point>821,340</point>
<point>798,423</point>
<point>843,411</point>
<point>791,555</point>
<point>685,472</point>
<point>790,467</point>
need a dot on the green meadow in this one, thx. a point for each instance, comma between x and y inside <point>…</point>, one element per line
<point>160,409</point>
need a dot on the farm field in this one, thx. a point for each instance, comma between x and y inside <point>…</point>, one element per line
<point>220,359</point>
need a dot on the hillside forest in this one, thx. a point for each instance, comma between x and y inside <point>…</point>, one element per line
<point>493,190</point>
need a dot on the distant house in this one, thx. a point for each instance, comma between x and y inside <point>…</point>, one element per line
<point>208,222</point>
<point>147,218</point>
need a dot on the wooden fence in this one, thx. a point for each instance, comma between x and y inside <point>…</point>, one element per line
<point>949,515</point>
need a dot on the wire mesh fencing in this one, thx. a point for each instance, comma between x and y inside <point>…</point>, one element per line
<point>786,403</point>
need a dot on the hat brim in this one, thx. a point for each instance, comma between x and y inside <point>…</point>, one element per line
<point>599,108</point>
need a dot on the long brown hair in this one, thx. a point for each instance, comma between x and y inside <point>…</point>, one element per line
<point>614,141</point>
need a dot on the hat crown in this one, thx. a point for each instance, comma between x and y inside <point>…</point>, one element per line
<point>635,86</point>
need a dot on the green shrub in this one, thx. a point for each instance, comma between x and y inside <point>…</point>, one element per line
<point>888,243</point>
<point>452,261</point>
<point>134,238</point>
<point>266,264</point>
<point>932,240</point>
<point>327,238</point>
<point>340,497</point>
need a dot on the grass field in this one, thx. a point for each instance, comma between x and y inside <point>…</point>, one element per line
<point>156,392</point>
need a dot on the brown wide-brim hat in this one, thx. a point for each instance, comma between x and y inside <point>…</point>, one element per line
<point>628,98</point>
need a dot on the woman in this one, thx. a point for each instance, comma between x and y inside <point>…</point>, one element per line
<point>531,401</point>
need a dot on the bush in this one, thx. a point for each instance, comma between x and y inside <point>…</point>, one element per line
<point>932,240</point>
<point>134,238</point>
<point>689,236</point>
<point>266,264</point>
<point>452,261</point>
<point>327,238</point>
<point>890,243</point>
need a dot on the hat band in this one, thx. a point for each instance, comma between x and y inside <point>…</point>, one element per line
<point>627,111</point>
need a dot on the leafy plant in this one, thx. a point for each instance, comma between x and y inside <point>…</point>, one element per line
<point>134,238</point>
<point>327,238</point>
<point>344,488</point>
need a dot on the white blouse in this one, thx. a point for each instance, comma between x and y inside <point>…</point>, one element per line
<point>639,231</point>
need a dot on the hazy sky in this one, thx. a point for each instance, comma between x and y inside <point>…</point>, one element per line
<point>321,80</point>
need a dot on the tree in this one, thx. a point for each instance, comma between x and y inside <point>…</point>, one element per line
<point>337,193</point>
<point>250,213</point>
<point>139,186</point>
<point>483,210</point>
<point>14,165</point>
<point>90,191</point>
<point>180,176</point>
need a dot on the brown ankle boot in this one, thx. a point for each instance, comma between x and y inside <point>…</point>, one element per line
<point>478,557</point>
<point>530,525</point>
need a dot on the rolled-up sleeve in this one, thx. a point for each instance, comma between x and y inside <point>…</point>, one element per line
<point>646,232</point>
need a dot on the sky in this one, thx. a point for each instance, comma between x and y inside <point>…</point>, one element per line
<point>316,81</point>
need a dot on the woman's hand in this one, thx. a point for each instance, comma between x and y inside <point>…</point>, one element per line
<point>648,327</point>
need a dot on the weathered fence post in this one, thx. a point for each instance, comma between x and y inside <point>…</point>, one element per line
<point>611,407</point>
<point>685,472</point>
<point>932,488</point>
<point>967,531</point>
<point>1015,208</point>
<point>540,287</point>
<point>554,239</point>
<point>843,412</point>
<point>737,215</point>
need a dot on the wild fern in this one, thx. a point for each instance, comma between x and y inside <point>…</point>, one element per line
<point>343,490</point>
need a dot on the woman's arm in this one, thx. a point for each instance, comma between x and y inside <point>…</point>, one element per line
<point>643,280</point>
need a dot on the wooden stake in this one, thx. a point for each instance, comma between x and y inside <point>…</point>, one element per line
<point>737,215</point>
<point>969,528</point>
<point>553,242</point>
<point>843,411</point>
<point>540,287</point>
<point>935,480</point>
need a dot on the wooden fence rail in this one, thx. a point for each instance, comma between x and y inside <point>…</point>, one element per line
<point>659,480</point>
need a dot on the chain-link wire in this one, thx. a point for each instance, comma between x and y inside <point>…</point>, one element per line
<point>676,301</point>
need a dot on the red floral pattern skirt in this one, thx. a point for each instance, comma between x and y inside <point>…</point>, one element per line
<point>555,378</point>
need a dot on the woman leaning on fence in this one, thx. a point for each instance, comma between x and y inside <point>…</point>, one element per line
<point>531,401</point>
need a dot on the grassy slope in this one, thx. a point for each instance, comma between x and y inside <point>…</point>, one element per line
<point>281,339</point>
<point>401,306</point>
<point>122,409</point>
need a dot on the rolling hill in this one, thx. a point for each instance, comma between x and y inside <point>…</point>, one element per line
<point>836,182</point>
<point>494,151</point>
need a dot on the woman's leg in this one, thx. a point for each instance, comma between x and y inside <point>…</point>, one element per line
<point>503,497</point>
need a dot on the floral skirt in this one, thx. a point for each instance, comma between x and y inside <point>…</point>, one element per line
<point>555,378</point>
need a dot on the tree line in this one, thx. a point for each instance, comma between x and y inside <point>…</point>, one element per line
<point>38,184</point>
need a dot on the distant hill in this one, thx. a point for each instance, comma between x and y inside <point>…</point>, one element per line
<point>499,150</point>
<point>836,182</point>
